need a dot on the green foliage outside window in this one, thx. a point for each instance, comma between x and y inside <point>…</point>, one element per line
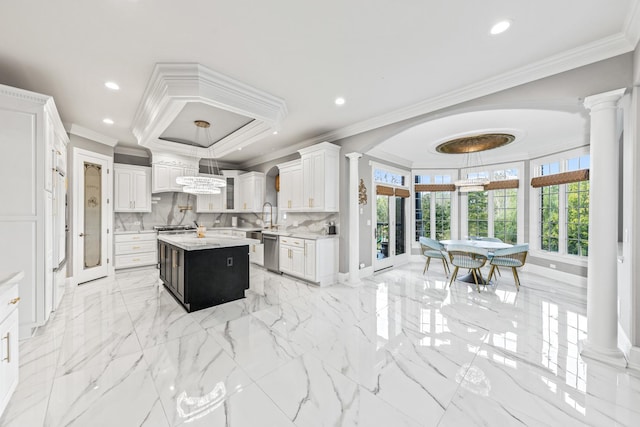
<point>505,215</point>
<point>549,218</point>
<point>478,213</point>
<point>578,218</point>
<point>442,215</point>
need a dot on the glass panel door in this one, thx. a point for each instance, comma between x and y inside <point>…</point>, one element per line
<point>382,227</point>
<point>92,215</point>
<point>390,232</point>
<point>400,228</point>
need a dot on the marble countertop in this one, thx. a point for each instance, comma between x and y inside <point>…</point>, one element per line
<point>9,278</point>
<point>309,236</point>
<point>192,243</point>
<point>134,231</point>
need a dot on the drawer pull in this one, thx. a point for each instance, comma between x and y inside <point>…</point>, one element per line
<point>8,337</point>
<point>136,247</point>
<point>15,300</point>
<point>136,259</point>
<point>135,238</point>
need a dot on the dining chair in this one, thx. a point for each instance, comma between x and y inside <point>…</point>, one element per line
<point>433,249</point>
<point>513,257</point>
<point>491,239</point>
<point>470,257</point>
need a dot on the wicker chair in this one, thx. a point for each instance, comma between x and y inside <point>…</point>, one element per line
<point>513,257</point>
<point>433,249</point>
<point>469,257</point>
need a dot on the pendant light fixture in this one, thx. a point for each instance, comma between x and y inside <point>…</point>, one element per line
<point>198,184</point>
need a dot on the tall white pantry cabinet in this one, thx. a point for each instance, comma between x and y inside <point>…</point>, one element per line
<point>31,136</point>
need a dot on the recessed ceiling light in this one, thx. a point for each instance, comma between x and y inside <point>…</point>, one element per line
<point>500,27</point>
<point>107,121</point>
<point>339,101</point>
<point>275,132</point>
<point>239,148</point>
<point>112,85</point>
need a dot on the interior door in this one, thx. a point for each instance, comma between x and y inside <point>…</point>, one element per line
<point>390,238</point>
<point>91,216</point>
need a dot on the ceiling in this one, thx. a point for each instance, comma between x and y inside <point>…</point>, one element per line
<point>389,60</point>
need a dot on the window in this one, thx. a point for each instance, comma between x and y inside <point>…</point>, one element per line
<point>477,213</point>
<point>563,209</point>
<point>433,209</point>
<point>494,212</point>
<point>386,177</point>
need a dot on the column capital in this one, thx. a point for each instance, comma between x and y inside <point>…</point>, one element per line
<point>604,100</point>
<point>353,156</point>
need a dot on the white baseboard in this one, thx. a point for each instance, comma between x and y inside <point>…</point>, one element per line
<point>624,343</point>
<point>634,358</point>
<point>362,273</point>
<point>571,279</point>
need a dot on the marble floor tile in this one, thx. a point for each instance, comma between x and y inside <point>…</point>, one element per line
<point>193,374</point>
<point>401,348</point>
<point>256,348</point>
<point>157,324</point>
<point>313,394</point>
<point>121,393</point>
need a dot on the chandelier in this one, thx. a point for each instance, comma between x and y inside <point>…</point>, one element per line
<point>198,184</point>
<point>474,144</point>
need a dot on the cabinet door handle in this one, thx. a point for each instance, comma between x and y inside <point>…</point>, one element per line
<point>173,258</point>
<point>8,337</point>
<point>15,300</point>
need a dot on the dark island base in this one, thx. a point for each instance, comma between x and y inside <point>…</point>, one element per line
<point>204,278</point>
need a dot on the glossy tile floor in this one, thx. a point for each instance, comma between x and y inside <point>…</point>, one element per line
<point>402,349</point>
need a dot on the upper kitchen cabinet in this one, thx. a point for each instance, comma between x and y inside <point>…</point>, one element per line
<point>210,202</point>
<point>290,194</point>
<point>167,167</point>
<point>252,188</point>
<point>231,193</point>
<point>31,127</point>
<point>132,187</point>
<point>320,177</point>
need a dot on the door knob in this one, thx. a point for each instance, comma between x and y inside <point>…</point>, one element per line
<point>81,234</point>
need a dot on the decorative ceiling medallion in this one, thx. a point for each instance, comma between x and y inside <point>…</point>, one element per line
<point>475,143</point>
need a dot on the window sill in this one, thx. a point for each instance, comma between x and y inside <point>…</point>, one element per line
<point>553,256</point>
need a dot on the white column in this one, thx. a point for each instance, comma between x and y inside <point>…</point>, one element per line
<point>354,223</point>
<point>602,284</point>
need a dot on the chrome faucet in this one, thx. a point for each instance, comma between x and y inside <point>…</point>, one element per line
<point>270,214</point>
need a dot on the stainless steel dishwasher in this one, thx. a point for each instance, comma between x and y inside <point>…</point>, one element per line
<point>271,252</point>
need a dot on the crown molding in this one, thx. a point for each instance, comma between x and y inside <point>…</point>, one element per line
<point>383,155</point>
<point>92,135</point>
<point>631,27</point>
<point>130,151</point>
<point>172,86</point>
<point>598,50</point>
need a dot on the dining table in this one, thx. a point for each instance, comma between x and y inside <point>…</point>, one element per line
<point>484,244</point>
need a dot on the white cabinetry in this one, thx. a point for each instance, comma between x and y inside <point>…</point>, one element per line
<point>231,193</point>
<point>292,256</point>
<point>290,194</point>
<point>136,250</point>
<point>210,202</point>
<point>168,167</point>
<point>320,180</point>
<point>252,188</point>
<point>132,188</point>
<point>31,128</point>
<point>256,254</point>
<point>8,341</point>
<point>310,259</point>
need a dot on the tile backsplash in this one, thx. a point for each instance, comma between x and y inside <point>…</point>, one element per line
<point>168,208</point>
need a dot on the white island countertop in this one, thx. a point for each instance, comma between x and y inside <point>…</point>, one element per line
<point>308,236</point>
<point>192,243</point>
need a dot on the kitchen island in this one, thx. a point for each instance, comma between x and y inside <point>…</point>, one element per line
<point>203,272</point>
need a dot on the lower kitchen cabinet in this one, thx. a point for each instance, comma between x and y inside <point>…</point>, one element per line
<point>315,260</point>
<point>203,278</point>
<point>135,249</point>
<point>256,254</point>
<point>9,361</point>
